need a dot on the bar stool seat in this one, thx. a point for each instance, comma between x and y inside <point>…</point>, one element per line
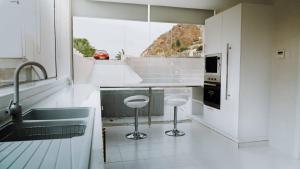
<point>136,102</point>
<point>175,101</point>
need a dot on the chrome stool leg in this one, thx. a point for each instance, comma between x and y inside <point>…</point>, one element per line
<point>175,132</point>
<point>136,135</point>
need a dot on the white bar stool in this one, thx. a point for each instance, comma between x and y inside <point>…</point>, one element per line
<point>136,102</point>
<point>175,101</point>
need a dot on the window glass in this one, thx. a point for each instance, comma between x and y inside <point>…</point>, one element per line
<point>101,34</point>
<point>172,39</point>
<point>160,38</point>
<point>136,38</point>
<point>127,38</point>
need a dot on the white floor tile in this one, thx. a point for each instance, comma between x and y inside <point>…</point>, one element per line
<point>200,148</point>
<point>117,165</point>
<point>139,164</point>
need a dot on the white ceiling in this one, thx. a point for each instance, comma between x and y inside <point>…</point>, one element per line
<point>199,4</point>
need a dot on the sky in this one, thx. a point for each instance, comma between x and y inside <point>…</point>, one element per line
<point>114,35</point>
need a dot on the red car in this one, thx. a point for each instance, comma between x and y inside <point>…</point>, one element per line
<point>101,55</point>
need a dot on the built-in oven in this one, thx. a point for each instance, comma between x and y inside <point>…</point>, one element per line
<point>212,81</point>
<point>212,94</point>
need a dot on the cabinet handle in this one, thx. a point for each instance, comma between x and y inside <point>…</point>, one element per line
<point>227,69</point>
<point>210,84</point>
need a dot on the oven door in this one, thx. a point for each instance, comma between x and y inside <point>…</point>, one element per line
<point>212,94</point>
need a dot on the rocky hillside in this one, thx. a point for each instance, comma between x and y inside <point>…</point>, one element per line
<point>182,39</point>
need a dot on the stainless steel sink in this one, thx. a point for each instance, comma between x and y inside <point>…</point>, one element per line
<point>51,123</point>
<point>42,130</point>
<point>56,113</point>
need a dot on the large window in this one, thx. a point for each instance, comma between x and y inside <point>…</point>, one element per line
<point>113,36</point>
<point>117,30</point>
<point>138,38</point>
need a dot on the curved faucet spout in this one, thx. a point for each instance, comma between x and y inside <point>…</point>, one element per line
<point>17,73</point>
<point>14,107</point>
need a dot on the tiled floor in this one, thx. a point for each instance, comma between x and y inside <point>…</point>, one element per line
<point>200,148</point>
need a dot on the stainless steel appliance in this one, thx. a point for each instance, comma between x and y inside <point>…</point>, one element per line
<point>212,94</point>
<point>213,67</point>
<point>212,81</point>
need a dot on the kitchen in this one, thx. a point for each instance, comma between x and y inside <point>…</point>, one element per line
<point>232,105</point>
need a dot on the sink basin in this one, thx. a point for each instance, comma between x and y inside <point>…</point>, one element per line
<point>56,113</point>
<point>42,130</point>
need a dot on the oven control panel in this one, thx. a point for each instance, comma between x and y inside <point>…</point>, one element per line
<point>212,78</point>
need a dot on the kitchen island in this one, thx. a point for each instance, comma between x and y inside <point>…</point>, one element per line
<point>125,75</point>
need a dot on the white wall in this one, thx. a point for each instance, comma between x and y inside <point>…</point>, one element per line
<point>255,69</point>
<point>83,68</point>
<point>283,105</point>
<point>94,9</point>
<point>179,15</point>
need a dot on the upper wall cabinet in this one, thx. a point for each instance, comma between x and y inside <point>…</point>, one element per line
<point>11,41</point>
<point>46,40</point>
<point>28,31</point>
<point>25,24</point>
<point>213,37</point>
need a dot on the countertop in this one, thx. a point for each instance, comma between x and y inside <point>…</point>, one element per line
<point>147,83</point>
<point>59,153</point>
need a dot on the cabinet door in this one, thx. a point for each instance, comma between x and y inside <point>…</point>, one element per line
<point>212,34</point>
<point>230,76</point>
<point>231,46</point>
<point>31,16</point>
<point>11,29</point>
<point>47,36</point>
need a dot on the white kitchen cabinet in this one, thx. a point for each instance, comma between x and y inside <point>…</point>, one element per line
<point>46,39</point>
<point>28,31</point>
<point>11,41</point>
<point>231,36</point>
<point>39,32</point>
<point>31,28</point>
<point>63,25</point>
<point>20,34</point>
<point>245,74</point>
<point>212,34</point>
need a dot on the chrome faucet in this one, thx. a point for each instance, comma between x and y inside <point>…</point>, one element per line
<point>14,107</point>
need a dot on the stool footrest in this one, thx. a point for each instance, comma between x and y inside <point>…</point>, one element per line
<point>136,135</point>
<point>174,133</point>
